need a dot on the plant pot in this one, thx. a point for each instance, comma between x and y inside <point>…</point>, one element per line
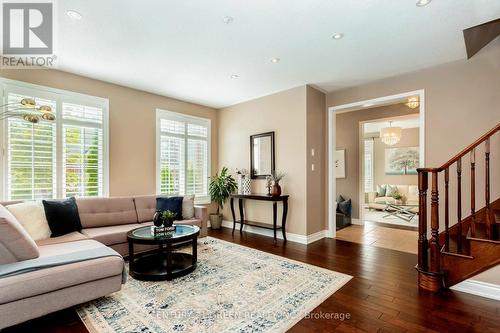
<point>168,223</point>
<point>276,190</point>
<point>215,221</point>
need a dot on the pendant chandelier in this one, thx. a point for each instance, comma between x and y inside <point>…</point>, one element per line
<point>390,135</point>
<point>27,110</point>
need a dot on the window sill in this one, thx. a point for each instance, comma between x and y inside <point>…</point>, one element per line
<point>202,201</point>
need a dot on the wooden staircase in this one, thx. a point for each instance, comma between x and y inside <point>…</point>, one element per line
<point>472,244</point>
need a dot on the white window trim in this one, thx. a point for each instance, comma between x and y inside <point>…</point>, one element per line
<point>372,166</point>
<point>184,118</point>
<point>57,95</point>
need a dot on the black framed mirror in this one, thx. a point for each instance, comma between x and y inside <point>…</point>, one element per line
<point>261,155</point>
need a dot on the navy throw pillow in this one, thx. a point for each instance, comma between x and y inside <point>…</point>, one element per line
<point>62,216</point>
<point>345,207</point>
<point>173,204</point>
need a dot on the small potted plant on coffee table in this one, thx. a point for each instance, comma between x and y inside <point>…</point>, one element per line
<point>168,219</point>
<point>220,188</point>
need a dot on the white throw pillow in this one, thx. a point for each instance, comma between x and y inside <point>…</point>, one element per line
<point>31,215</point>
<point>188,207</point>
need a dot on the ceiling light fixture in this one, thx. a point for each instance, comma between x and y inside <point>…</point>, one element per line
<point>275,60</point>
<point>338,36</point>
<point>413,103</point>
<point>74,15</point>
<point>235,76</point>
<point>422,3</point>
<point>228,19</point>
<point>390,135</point>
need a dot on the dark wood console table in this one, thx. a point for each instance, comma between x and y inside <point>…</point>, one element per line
<point>261,197</point>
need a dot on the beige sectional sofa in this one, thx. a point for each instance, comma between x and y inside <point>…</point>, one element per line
<point>105,222</point>
<point>380,203</point>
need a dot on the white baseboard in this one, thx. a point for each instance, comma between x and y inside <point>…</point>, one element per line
<point>269,233</point>
<point>356,221</point>
<point>479,288</point>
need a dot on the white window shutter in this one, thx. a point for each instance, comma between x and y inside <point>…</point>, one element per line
<point>183,155</point>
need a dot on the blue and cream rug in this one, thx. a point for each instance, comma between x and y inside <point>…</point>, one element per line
<point>233,289</point>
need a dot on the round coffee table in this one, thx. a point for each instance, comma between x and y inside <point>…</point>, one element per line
<point>163,264</point>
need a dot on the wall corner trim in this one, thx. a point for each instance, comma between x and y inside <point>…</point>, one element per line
<point>479,288</point>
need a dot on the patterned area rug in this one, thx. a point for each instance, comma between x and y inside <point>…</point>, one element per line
<point>233,289</point>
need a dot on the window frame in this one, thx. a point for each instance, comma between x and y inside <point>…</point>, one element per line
<point>176,116</point>
<point>372,165</point>
<point>59,96</point>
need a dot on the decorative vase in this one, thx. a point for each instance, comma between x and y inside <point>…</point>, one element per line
<point>157,221</point>
<point>168,223</point>
<point>276,190</point>
<point>240,184</point>
<point>215,221</point>
<point>247,186</point>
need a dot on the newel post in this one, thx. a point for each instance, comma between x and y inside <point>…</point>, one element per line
<point>434,242</point>
<point>423,184</point>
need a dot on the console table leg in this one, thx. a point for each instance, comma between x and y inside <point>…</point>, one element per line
<point>283,221</point>
<point>275,214</point>
<point>232,212</point>
<point>242,216</point>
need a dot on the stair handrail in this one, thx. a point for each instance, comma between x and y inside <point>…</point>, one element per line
<point>429,251</point>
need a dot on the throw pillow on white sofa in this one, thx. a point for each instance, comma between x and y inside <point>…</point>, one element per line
<point>188,207</point>
<point>31,215</point>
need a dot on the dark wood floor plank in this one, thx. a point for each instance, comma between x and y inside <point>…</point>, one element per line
<point>382,297</point>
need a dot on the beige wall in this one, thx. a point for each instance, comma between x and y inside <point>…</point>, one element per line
<point>462,102</point>
<point>284,113</point>
<point>347,137</point>
<point>132,140</point>
<point>409,138</point>
<point>316,185</point>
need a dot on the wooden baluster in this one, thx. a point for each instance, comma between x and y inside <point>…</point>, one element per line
<point>434,242</point>
<point>473,191</point>
<point>487,188</point>
<point>446,209</point>
<point>459,203</point>
<point>423,248</point>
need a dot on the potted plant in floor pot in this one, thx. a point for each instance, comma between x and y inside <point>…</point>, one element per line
<point>220,187</point>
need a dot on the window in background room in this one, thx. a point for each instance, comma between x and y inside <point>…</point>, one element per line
<point>183,155</point>
<point>57,159</point>
<point>368,165</point>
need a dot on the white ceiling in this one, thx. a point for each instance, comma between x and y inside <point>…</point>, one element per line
<point>407,122</point>
<point>183,49</point>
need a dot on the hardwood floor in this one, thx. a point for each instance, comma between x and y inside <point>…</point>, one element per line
<point>379,235</point>
<point>382,297</point>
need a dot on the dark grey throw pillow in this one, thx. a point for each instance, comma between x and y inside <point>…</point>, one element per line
<point>62,216</point>
<point>345,207</point>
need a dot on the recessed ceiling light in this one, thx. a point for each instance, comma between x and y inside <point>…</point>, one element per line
<point>338,36</point>
<point>275,60</point>
<point>235,76</point>
<point>228,19</point>
<point>74,15</point>
<point>421,3</point>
